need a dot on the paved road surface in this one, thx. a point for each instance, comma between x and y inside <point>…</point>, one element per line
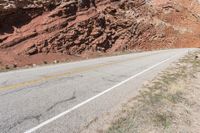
<point>64,98</point>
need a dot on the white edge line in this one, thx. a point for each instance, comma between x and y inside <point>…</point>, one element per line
<point>94,97</point>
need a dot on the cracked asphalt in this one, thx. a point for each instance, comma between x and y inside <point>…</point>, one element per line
<point>29,97</point>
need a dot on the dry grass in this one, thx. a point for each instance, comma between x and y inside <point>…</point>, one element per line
<point>165,104</point>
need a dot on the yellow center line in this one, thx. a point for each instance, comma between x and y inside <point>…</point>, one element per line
<point>58,75</point>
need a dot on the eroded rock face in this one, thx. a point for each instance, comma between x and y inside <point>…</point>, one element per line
<point>73,27</point>
<point>98,32</point>
<point>83,27</point>
<point>20,12</point>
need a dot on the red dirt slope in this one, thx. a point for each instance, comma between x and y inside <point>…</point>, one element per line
<point>36,33</point>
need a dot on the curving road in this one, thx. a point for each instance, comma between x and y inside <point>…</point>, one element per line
<point>65,98</point>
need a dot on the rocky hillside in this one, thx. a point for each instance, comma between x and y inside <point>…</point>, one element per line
<point>42,31</point>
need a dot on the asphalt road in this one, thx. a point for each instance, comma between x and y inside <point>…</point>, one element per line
<point>66,98</point>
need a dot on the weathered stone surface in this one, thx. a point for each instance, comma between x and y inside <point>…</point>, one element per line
<point>74,27</point>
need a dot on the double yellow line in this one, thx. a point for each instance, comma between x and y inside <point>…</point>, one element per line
<point>69,72</point>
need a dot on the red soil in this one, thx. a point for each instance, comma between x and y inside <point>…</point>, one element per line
<point>70,32</point>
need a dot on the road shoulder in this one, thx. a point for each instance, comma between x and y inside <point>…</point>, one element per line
<point>168,103</point>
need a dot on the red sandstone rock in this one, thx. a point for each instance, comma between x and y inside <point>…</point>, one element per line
<point>43,30</point>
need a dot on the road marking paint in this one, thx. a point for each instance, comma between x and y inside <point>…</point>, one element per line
<point>94,97</point>
<point>69,72</point>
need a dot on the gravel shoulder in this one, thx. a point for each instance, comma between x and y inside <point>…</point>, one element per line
<point>168,103</point>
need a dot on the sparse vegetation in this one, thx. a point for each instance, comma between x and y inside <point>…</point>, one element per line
<point>165,104</point>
